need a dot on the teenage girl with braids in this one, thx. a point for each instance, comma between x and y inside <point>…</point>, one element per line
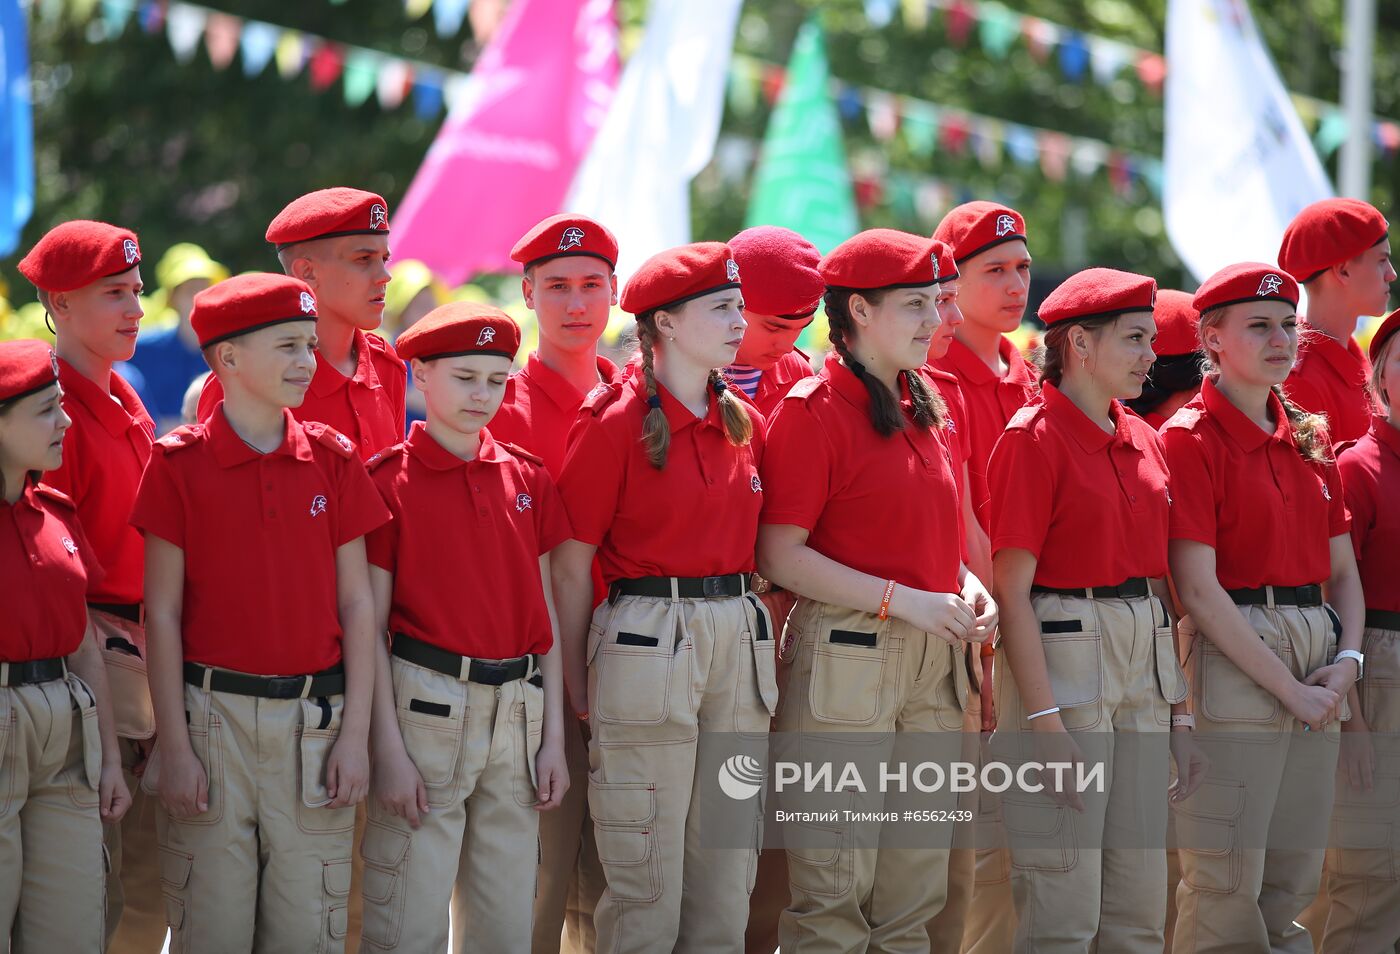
<point>1259,536</point>
<point>661,482</point>
<point>861,521</point>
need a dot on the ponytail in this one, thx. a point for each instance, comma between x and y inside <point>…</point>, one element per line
<point>738,426</point>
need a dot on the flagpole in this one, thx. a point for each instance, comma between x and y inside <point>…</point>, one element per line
<point>1354,177</point>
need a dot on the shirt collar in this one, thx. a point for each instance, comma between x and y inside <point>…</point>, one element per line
<point>975,370</point>
<point>1386,434</point>
<point>556,386</point>
<point>328,379</point>
<point>678,416</point>
<point>115,418</point>
<point>845,383</point>
<point>1243,431</point>
<point>1088,434</point>
<point>426,450</point>
<point>230,450</point>
<point>1346,359</point>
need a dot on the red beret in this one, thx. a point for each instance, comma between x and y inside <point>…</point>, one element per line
<point>886,258</point>
<point>1328,233</point>
<point>1098,293</point>
<point>248,302</point>
<point>78,253</point>
<point>1246,281</point>
<point>1388,327</point>
<point>677,275</point>
<point>974,227</point>
<point>780,272</point>
<point>561,235</point>
<point>1177,324</point>
<point>460,328</point>
<point>26,366</point>
<point>328,213</point>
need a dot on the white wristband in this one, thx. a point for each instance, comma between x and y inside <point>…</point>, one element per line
<point>1355,656</point>
<point>1043,712</point>
<point>1187,720</point>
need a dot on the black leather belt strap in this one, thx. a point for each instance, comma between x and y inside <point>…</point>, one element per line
<point>1382,619</point>
<point>327,682</point>
<point>32,672</point>
<point>1307,595</point>
<point>488,672</point>
<point>131,612</point>
<point>1127,590</point>
<point>687,587</point>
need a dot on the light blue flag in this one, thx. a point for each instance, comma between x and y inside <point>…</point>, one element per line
<point>16,128</point>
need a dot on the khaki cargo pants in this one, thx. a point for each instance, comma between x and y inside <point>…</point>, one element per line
<point>1102,873</point>
<point>267,867</point>
<point>662,672</point>
<point>570,877</point>
<point>474,746</point>
<point>855,673</point>
<point>52,863</point>
<point>1269,784</point>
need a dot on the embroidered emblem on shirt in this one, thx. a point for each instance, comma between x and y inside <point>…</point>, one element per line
<point>318,504</point>
<point>522,502</point>
<point>344,442</point>
<point>70,546</point>
<point>755,484</point>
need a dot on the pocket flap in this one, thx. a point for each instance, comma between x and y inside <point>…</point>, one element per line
<point>624,804</point>
<point>623,846</point>
<point>335,876</point>
<point>384,847</point>
<point>175,868</point>
<point>1073,665</point>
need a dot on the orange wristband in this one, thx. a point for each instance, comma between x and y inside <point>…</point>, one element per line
<point>885,603</point>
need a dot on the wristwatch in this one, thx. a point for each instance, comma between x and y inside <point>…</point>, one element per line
<point>1360,661</point>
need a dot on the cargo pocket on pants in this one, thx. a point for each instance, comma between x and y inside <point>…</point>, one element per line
<point>527,724</point>
<point>624,814</point>
<point>820,862</point>
<point>1073,660</point>
<point>85,778</point>
<point>320,726</point>
<point>1207,837</point>
<point>385,851</point>
<point>1040,834</point>
<point>1170,678</point>
<point>175,867</point>
<point>633,678</point>
<point>850,655</point>
<point>335,882</point>
<point>7,742</point>
<point>765,660</point>
<point>1227,694</point>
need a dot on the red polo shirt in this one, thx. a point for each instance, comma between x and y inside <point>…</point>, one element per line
<point>697,516</point>
<point>464,545</point>
<point>991,401</point>
<point>777,381</point>
<point>887,506</point>
<point>1330,378</point>
<point>1268,513</point>
<point>1091,506</point>
<point>539,409</point>
<point>955,436</point>
<point>368,407</point>
<point>259,532</point>
<point>1370,471</point>
<point>47,564</point>
<point>104,453</point>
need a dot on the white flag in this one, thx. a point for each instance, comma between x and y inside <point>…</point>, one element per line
<point>660,130</point>
<point>1239,164</point>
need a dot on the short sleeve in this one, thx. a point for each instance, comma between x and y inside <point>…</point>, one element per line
<point>1359,491</point>
<point>160,507</point>
<point>796,467</point>
<point>86,552</point>
<point>1193,512</point>
<point>382,543</point>
<point>1338,517</point>
<point>1021,492</point>
<point>590,483</point>
<point>551,519</point>
<point>360,507</point>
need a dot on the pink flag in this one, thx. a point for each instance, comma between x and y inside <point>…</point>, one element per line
<point>504,158</point>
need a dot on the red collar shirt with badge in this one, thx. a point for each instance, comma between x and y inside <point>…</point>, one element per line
<point>539,409</point>
<point>955,436</point>
<point>1090,506</point>
<point>1370,471</point>
<point>104,453</point>
<point>259,534</point>
<point>775,383</point>
<point>991,402</point>
<point>367,407</point>
<point>1248,493</point>
<point>464,545</point>
<point>887,506</point>
<point>1330,378</point>
<point>697,516</point>
<point>47,564</point>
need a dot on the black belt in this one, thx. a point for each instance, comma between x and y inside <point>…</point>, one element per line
<point>484,671</point>
<point>1127,590</point>
<point>31,672</point>
<point>131,612</point>
<point>327,682</point>
<point>1307,595</point>
<point>687,587</point>
<point>1382,619</point>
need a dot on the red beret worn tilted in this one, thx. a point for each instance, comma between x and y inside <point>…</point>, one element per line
<point>564,235</point>
<point>781,278</point>
<point>1177,324</point>
<point>460,328</point>
<point>1388,327</point>
<point>1246,281</point>
<point>1098,293</point>
<point>78,253</point>
<point>677,275</point>
<point>329,213</point>
<point>26,366</point>
<point>886,258</point>
<point>974,227</point>
<point>1328,233</point>
<point>248,302</point>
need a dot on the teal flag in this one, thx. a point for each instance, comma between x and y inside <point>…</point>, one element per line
<point>802,181</point>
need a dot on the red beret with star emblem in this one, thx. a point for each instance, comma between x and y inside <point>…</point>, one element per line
<point>78,253</point>
<point>1098,293</point>
<point>1246,281</point>
<point>248,302</point>
<point>460,328</point>
<point>780,270</point>
<point>1328,233</point>
<point>563,235</point>
<point>26,366</point>
<point>888,258</point>
<point>973,227</point>
<point>329,213</point>
<point>677,275</point>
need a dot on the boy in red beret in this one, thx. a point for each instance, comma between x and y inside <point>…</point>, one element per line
<point>1339,250</point>
<point>468,716</point>
<point>88,275</point>
<point>262,654</point>
<point>337,241</point>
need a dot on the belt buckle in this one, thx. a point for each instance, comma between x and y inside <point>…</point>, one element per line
<point>712,586</point>
<point>1310,594</point>
<point>285,687</point>
<point>491,673</point>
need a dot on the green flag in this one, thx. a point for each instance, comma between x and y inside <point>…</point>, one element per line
<point>802,181</point>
